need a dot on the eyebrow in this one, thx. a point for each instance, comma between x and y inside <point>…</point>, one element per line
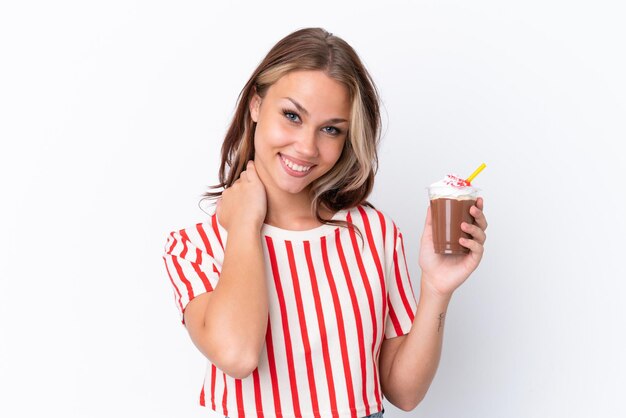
<point>306,112</point>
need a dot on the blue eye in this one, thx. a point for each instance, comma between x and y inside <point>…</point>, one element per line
<point>333,131</point>
<point>292,116</point>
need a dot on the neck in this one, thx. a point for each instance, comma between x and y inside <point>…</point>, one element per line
<point>293,212</point>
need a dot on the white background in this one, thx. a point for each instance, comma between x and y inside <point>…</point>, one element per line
<point>111,120</point>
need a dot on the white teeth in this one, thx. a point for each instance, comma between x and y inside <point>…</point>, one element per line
<point>295,166</point>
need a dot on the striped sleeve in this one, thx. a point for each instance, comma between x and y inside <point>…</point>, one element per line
<point>191,269</point>
<point>400,296</point>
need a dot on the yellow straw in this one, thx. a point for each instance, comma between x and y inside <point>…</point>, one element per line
<point>475,173</point>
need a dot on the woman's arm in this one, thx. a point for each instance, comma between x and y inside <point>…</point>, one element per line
<point>408,363</point>
<point>229,324</point>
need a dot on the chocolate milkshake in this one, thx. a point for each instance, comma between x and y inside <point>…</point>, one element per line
<point>450,202</point>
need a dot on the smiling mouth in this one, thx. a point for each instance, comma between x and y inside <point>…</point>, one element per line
<point>296,167</point>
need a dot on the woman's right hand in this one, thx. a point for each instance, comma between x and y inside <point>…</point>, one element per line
<point>243,202</point>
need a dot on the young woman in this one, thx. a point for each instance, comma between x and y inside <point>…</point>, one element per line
<point>296,289</point>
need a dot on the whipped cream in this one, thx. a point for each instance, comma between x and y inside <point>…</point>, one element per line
<point>452,186</point>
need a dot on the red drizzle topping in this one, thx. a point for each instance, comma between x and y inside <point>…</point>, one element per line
<point>455,181</point>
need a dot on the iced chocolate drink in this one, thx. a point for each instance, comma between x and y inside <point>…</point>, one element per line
<point>450,202</point>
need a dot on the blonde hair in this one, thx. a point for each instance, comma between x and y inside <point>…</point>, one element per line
<point>351,180</point>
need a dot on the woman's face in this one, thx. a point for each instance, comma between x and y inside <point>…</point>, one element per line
<point>302,125</point>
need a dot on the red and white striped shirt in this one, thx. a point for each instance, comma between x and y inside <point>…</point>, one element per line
<point>332,300</point>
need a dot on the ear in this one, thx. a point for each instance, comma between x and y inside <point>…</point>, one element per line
<point>255,104</point>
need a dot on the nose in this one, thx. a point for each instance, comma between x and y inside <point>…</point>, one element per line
<point>306,143</point>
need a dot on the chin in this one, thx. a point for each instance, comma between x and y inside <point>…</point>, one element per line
<point>288,185</point>
<point>294,189</point>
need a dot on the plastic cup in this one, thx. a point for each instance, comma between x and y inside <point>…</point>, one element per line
<point>448,211</point>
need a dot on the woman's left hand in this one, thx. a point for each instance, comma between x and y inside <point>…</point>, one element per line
<point>443,274</point>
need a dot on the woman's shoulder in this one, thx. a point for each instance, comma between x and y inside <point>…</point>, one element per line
<point>372,213</point>
<point>207,236</point>
<point>374,221</point>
